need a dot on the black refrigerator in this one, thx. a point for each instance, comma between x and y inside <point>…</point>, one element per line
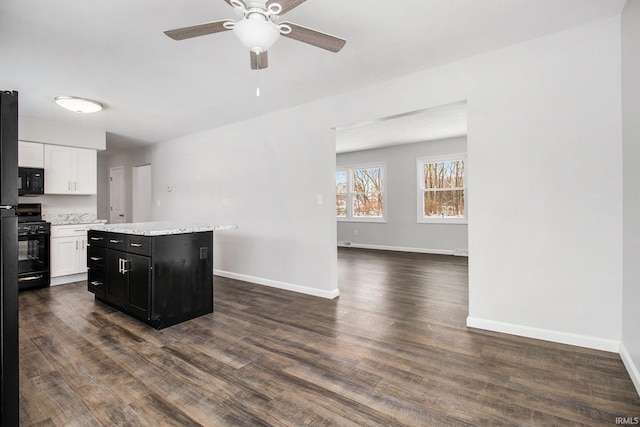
<point>9,409</point>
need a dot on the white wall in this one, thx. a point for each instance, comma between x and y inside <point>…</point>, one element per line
<point>59,134</point>
<point>263,175</point>
<point>630,348</point>
<point>401,231</point>
<point>544,156</point>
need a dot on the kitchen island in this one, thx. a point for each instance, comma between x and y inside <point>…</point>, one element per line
<point>158,272</point>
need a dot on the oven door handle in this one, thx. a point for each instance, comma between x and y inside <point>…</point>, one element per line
<point>24,279</point>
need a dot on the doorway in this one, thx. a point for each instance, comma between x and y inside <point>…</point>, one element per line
<point>141,182</point>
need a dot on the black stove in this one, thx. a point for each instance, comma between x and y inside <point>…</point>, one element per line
<point>34,251</point>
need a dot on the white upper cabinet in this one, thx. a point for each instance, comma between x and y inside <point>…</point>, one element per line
<point>30,154</point>
<point>70,170</point>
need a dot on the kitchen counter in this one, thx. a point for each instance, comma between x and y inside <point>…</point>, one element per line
<point>72,219</point>
<point>159,228</point>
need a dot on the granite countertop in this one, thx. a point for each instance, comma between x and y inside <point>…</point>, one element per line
<point>160,228</point>
<point>72,219</point>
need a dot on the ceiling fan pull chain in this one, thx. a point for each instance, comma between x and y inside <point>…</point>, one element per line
<point>258,76</point>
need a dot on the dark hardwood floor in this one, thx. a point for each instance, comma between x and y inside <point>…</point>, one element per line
<point>393,349</point>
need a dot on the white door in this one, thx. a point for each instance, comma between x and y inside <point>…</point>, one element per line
<point>116,195</point>
<point>141,205</point>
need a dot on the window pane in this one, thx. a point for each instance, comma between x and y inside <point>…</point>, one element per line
<point>341,205</point>
<point>367,204</point>
<point>341,182</point>
<point>367,180</point>
<point>447,174</point>
<point>444,204</point>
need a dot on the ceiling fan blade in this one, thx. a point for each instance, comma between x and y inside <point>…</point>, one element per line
<point>197,30</point>
<point>240,1</point>
<point>315,38</point>
<point>259,62</point>
<point>287,5</point>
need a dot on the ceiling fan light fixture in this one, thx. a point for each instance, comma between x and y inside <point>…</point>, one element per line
<point>78,105</point>
<point>256,32</point>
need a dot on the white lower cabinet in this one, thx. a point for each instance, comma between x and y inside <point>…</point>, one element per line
<point>68,250</point>
<point>67,255</point>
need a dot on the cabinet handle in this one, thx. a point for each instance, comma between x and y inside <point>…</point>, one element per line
<point>96,283</point>
<point>122,267</point>
<point>76,245</point>
<point>136,245</point>
<point>96,258</point>
<point>96,238</point>
<point>82,244</point>
<point>24,279</point>
<point>115,241</point>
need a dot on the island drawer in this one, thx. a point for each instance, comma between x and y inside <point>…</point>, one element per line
<point>96,257</point>
<point>140,245</point>
<point>116,241</point>
<point>97,238</point>
<point>96,282</point>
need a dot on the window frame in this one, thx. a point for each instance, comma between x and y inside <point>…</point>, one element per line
<point>350,193</point>
<point>420,162</point>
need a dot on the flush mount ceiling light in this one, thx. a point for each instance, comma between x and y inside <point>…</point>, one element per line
<point>78,105</point>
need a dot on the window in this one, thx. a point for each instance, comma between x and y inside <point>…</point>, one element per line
<point>360,193</point>
<point>441,189</point>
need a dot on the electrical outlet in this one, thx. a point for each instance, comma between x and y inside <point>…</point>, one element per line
<point>355,232</point>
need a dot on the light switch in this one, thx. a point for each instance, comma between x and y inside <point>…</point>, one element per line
<point>319,199</point>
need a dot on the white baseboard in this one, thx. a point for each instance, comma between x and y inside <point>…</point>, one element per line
<point>396,248</point>
<point>63,280</point>
<point>280,285</point>
<point>634,373</point>
<point>545,334</point>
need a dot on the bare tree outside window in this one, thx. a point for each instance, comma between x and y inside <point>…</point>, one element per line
<point>341,194</point>
<point>443,189</point>
<point>359,193</point>
<point>367,192</point>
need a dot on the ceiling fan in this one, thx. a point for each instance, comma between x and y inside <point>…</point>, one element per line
<point>259,29</point>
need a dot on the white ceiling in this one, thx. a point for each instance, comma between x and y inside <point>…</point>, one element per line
<point>446,121</point>
<point>155,88</point>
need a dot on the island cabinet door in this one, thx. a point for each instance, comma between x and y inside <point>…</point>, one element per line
<point>117,278</point>
<point>139,271</point>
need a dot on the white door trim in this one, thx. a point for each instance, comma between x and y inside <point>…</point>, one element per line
<point>117,206</point>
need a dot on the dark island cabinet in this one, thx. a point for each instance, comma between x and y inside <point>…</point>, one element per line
<point>161,280</point>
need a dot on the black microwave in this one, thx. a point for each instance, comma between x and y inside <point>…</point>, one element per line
<point>31,181</point>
